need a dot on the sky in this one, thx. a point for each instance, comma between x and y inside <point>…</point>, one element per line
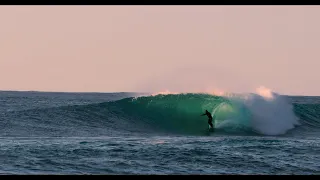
<point>156,48</point>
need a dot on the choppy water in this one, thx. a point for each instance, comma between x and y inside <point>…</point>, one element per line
<point>96,133</point>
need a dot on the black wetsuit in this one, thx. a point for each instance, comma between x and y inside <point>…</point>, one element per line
<point>210,118</point>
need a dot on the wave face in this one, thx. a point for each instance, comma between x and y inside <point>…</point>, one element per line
<point>180,113</point>
<point>249,114</point>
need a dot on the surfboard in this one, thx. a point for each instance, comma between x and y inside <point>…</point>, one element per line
<point>210,129</point>
<point>209,132</point>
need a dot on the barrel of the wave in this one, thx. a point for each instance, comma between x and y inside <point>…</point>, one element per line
<point>231,116</point>
<point>178,113</point>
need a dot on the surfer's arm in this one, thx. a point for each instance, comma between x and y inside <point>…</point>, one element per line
<point>203,114</point>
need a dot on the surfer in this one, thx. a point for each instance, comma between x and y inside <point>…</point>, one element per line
<point>210,118</point>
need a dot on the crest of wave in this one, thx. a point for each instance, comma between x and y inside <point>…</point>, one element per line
<point>270,113</point>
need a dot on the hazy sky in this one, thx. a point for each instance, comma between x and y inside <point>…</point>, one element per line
<point>154,48</point>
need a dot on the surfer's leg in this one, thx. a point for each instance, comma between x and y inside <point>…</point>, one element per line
<point>211,125</point>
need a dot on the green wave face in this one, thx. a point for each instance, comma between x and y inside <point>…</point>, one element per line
<point>181,113</point>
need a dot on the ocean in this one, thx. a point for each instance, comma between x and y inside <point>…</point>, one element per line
<point>132,133</point>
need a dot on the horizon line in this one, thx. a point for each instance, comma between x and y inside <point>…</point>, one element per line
<point>110,92</point>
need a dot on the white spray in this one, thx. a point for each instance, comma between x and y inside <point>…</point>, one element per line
<point>271,113</point>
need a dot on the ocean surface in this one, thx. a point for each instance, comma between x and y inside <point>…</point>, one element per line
<point>130,133</point>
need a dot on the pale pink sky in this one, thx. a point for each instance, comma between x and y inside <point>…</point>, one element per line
<point>153,48</point>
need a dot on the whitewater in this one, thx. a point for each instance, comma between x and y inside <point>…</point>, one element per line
<point>159,133</point>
